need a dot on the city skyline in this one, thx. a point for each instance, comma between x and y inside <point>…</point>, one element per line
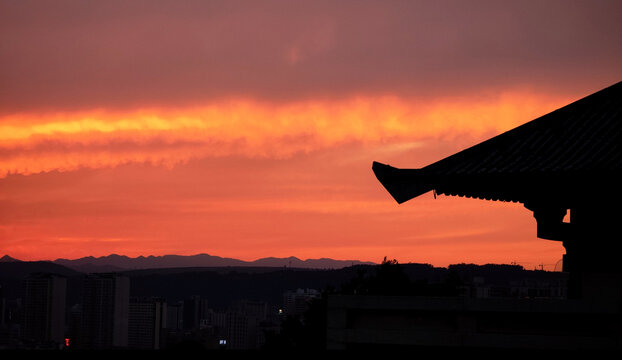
<point>251,308</point>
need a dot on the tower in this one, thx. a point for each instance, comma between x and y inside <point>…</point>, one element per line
<point>105,311</point>
<point>44,310</point>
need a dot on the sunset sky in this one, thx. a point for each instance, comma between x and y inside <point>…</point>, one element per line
<point>248,129</point>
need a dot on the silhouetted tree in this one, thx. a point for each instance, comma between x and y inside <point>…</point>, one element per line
<point>388,279</point>
<point>304,332</point>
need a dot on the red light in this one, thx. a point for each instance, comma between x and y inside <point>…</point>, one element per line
<point>67,342</point>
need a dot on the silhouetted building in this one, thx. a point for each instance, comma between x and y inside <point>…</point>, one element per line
<point>510,281</point>
<point>10,331</point>
<point>296,302</point>
<point>240,326</point>
<point>174,316</point>
<point>258,309</point>
<point>214,319</point>
<point>2,307</point>
<point>377,322</point>
<point>74,327</point>
<point>43,324</point>
<point>147,322</point>
<point>105,312</point>
<point>4,329</point>
<point>194,310</point>
<point>568,161</point>
<point>241,331</point>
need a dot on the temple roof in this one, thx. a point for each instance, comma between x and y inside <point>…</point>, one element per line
<point>565,155</point>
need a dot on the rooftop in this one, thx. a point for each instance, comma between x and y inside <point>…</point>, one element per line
<point>563,156</point>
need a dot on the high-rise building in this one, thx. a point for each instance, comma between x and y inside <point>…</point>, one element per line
<point>43,323</point>
<point>242,324</point>
<point>297,302</point>
<point>105,312</point>
<point>195,309</point>
<point>2,307</point>
<point>147,320</point>
<point>241,330</point>
<point>174,316</point>
<point>258,309</point>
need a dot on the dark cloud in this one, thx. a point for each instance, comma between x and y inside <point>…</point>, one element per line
<point>77,54</point>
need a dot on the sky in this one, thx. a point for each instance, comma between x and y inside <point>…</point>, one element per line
<point>247,129</point>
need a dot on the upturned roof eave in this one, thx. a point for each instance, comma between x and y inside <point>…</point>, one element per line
<point>564,188</point>
<point>537,159</point>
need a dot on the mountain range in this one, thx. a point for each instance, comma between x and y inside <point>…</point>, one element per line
<point>116,262</point>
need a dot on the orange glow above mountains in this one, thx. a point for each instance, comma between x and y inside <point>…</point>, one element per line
<point>248,179</point>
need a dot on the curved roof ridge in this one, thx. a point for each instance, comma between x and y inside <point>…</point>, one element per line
<point>582,137</point>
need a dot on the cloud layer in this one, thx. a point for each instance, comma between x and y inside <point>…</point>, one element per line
<point>34,143</point>
<point>70,54</point>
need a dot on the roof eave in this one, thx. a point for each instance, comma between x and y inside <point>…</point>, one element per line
<point>402,184</point>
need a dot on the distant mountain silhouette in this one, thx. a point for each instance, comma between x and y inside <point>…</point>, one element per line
<point>12,272</point>
<point>7,258</point>
<point>20,269</point>
<point>115,262</point>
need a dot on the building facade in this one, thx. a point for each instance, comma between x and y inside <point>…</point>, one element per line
<point>105,312</point>
<point>44,301</point>
<point>296,302</point>
<point>147,323</point>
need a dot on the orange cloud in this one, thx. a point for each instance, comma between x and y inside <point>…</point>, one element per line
<point>33,143</point>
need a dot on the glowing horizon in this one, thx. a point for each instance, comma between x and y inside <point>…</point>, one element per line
<point>361,130</point>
